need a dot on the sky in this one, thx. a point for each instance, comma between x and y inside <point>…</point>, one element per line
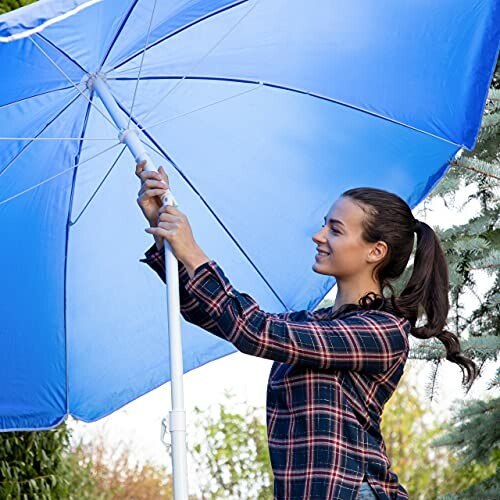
<point>138,424</point>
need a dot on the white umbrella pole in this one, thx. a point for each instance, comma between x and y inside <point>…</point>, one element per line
<point>177,422</point>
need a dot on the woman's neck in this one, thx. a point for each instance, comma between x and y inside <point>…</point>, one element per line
<point>351,292</point>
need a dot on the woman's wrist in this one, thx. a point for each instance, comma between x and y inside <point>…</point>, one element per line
<point>159,242</point>
<point>195,260</point>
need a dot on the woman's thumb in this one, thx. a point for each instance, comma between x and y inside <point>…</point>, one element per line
<point>163,173</point>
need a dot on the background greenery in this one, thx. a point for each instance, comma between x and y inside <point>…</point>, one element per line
<point>7,5</point>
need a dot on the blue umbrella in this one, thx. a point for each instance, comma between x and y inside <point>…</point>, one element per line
<point>263,113</point>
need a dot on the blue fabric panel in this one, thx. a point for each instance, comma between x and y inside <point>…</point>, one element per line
<point>32,270</point>
<point>27,72</point>
<point>408,61</point>
<point>269,111</point>
<point>272,176</point>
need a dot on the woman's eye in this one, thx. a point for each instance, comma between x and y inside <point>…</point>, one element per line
<point>334,230</point>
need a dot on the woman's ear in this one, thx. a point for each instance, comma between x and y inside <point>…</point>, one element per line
<point>377,252</point>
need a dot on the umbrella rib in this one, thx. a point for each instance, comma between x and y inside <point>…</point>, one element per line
<point>55,139</point>
<point>142,62</point>
<point>170,35</point>
<point>33,96</point>
<point>289,89</point>
<point>76,63</point>
<point>172,118</point>
<point>253,89</point>
<point>72,83</point>
<point>31,188</point>
<point>117,34</point>
<point>93,195</point>
<point>199,61</point>
<point>38,135</point>
<point>164,155</point>
<point>158,150</point>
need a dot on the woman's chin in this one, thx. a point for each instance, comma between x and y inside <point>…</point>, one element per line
<point>318,268</point>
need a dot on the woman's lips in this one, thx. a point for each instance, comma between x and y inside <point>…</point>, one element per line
<point>320,255</point>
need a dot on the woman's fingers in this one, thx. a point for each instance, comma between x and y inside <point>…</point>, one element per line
<point>152,185</point>
<point>140,167</point>
<point>167,217</point>
<point>163,174</point>
<point>171,210</point>
<point>155,176</point>
<point>151,193</point>
<point>144,175</point>
<point>162,232</point>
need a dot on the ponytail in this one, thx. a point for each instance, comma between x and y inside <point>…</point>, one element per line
<point>389,218</point>
<point>428,287</point>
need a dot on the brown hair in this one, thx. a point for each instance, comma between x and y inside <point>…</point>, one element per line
<point>390,219</point>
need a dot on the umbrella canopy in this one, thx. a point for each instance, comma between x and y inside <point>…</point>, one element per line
<point>262,112</point>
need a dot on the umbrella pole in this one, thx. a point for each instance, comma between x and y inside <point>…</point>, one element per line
<point>177,422</point>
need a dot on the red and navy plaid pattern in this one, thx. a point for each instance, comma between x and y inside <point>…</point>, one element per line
<point>327,387</point>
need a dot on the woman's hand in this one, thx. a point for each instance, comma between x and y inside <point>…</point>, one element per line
<point>153,186</point>
<point>174,227</point>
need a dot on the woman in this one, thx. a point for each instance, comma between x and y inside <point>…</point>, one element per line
<point>334,368</point>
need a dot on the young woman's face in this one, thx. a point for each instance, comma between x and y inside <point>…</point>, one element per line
<point>341,252</point>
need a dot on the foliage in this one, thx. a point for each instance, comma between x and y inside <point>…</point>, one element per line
<point>31,464</point>
<point>94,471</point>
<point>409,427</point>
<point>42,465</point>
<point>474,436</point>
<point>231,454</point>
<point>8,5</point>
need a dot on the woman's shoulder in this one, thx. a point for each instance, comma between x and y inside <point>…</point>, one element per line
<point>329,313</point>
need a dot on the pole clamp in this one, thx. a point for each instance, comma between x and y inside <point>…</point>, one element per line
<point>177,420</point>
<point>122,136</point>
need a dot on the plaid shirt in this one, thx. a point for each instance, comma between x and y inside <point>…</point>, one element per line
<point>328,385</point>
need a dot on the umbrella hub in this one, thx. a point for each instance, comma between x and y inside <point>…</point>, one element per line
<point>128,135</point>
<point>89,79</point>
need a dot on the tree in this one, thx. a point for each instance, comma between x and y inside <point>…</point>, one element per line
<point>476,443</point>
<point>473,254</point>
<point>31,464</point>
<point>8,5</point>
<point>94,471</point>
<point>43,465</point>
<point>231,454</point>
<point>409,427</point>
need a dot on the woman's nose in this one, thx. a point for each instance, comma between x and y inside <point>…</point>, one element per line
<point>318,237</point>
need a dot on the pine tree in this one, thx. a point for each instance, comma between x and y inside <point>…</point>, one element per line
<point>473,253</point>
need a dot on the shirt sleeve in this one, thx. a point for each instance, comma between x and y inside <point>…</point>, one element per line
<point>369,341</point>
<point>190,309</point>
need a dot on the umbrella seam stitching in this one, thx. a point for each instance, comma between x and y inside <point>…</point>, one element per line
<point>68,225</point>
<point>216,217</point>
<point>118,33</point>
<point>299,91</point>
<point>76,63</point>
<point>73,222</point>
<point>57,175</point>
<point>33,96</point>
<point>71,81</point>
<point>179,30</point>
<point>39,133</point>
<point>142,62</point>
